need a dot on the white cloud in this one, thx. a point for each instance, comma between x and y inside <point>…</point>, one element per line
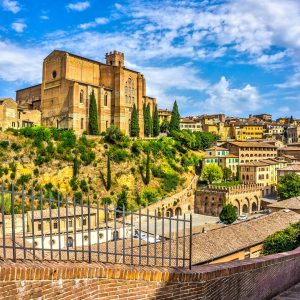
<point>44,17</point>
<point>95,23</point>
<point>231,101</point>
<point>20,63</point>
<point>292,82</point>
<point>18,26</point>
<point>79,6</point>
<point>12,6</point>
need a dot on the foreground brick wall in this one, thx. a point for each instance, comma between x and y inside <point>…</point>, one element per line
<point>259,278</point>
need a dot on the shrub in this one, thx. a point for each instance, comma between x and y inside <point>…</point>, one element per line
<point>24,178</point>
<point>228,214</point>
<point>16,147</point>
<point>118,155</point>
<point>83,185</point>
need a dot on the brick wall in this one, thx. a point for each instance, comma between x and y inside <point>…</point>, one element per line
<point>259,278</point>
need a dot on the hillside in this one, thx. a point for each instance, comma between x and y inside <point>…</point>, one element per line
<point>57,161</point>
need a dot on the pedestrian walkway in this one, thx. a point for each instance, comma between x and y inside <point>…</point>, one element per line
<point>292,293</point>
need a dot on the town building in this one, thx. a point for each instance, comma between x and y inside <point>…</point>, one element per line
<point>292,151</point>
<point>221,157</point>
<point>251,151</point>
<point>245,198</point>
<point>290,168</point>
<point>248,131</point>
<point>274,130</point>
<point>164,115</point>
<point>293,134</point>
<point>190,124</point>
<point>13,115</point>
<point>263,117</point>
<point>263,172</point>
<point>67,83</point>
<point>291,204</point>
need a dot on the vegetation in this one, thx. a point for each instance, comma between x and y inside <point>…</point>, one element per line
<point>175,119</point>
<point>289,186</point>
<point>147,179</point>
<point>228,214</point>
<point>108,180</point>
<point>134,123</point>
<point>93,115</point>
<point>227,174</point>
<point>156,127</point>
<point>148,126</point>
<point>211,173</point>
<point>284,240</point>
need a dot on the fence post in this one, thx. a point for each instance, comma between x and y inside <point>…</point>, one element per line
<point>3,219</point>
<point>89,230</point>
<point>13,230</point>
<point>191,240</point>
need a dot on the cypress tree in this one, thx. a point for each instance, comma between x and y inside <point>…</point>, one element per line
<point>149,120</point>
<point>108,180</point>
<point>156,127</point>
<point>76,165</point>
<point>175,119</point>
<point>238,173</point>
<point>93,115</point>
<point>147,178</point>
<point>145,118</point>
<point>134,123</point>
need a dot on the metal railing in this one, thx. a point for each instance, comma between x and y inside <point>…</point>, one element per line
<point>39,228</point>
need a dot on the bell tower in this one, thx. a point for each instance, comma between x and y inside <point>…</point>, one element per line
<point>115,58</point>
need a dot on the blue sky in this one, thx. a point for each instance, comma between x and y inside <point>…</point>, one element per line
<point>233,57</point>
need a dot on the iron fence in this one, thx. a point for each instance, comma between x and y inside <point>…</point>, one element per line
<point>38,228</point>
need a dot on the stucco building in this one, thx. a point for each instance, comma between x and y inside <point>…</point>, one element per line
<point>67,82</point>
<point>13,115</point>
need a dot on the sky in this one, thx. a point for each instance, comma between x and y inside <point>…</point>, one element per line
<point>231,56</point>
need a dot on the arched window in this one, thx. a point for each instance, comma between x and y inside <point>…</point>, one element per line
<point>105,99</point>
<point>81,96</point>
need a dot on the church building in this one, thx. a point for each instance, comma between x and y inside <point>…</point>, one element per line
<point>68,80</point>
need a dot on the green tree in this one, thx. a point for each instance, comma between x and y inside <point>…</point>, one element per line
<point>148,121</point>
<point>164,127</point>
<point>108,178</point>
<point>211,173</point>
<point>122,201</point>
<point>147,178</point>
<point>175,119</point>
<point>156,127</point>
<point>93,115</point>
<point>282,241</point>
<point>134,123</point>
<point>226,173</point>
<point>289,186</point>
<point>291,120</point>
<point>228,214</point>
<point>76,166</point>
<point>238,173</point>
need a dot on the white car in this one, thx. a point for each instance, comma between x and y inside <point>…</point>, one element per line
<point>243,217</point>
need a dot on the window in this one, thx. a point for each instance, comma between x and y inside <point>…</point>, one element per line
<point>81,96</point>
<point>84,222</point>
<point>70,223</point>
<point>81,123</point>
<point>54,74</point>
<point>39,226</point>
<point>105,99</point>
<point>106,124</point>
<point>13,124</point>
<point>55,225</point>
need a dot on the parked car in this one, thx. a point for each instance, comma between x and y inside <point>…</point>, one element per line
<point>243,217</point>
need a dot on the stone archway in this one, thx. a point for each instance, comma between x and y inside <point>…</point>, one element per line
<point>236,204</point>
<point>206,208</point>
<point>245,209</point>
<point>220,207</point>
<point>170,212</point>
<point>178,211</point>
<point>254,207</point>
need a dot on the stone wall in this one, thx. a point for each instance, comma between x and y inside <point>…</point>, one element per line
<point>255,279</point>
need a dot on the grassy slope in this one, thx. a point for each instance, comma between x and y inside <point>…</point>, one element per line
<point>125,174</point>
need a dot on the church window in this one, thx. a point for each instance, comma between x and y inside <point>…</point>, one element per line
<point>106,124</point>
<point>132,99</point>
<point>54,74</point>
<point>81,123</point>
<point>81,96</point>
<point>105,99</point>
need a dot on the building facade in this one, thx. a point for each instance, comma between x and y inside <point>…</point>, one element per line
<point>13,115</point>
<point>245,198</point>
<point>67,83</point>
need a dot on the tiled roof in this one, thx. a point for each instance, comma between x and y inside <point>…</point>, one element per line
<point>294,167</point>
<point>252,144</point>
<point>216,148</point>
<point>292,203</point>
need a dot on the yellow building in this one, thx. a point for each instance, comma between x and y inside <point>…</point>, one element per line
<point>164,115</point>
<point>68,81</point>
<point>244,132</point>
<point>262,172</point>
<point>221,129</point>
<point>14,116</point>
<point>190,124</point>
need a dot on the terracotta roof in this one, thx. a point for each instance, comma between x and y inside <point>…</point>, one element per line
<point>294,167</point>
<point>289,149</point>
<point>292,203</point>
<point>187,120</point>
<point>252,144</point>
<point>263,162</point>
<point>216,148</point>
